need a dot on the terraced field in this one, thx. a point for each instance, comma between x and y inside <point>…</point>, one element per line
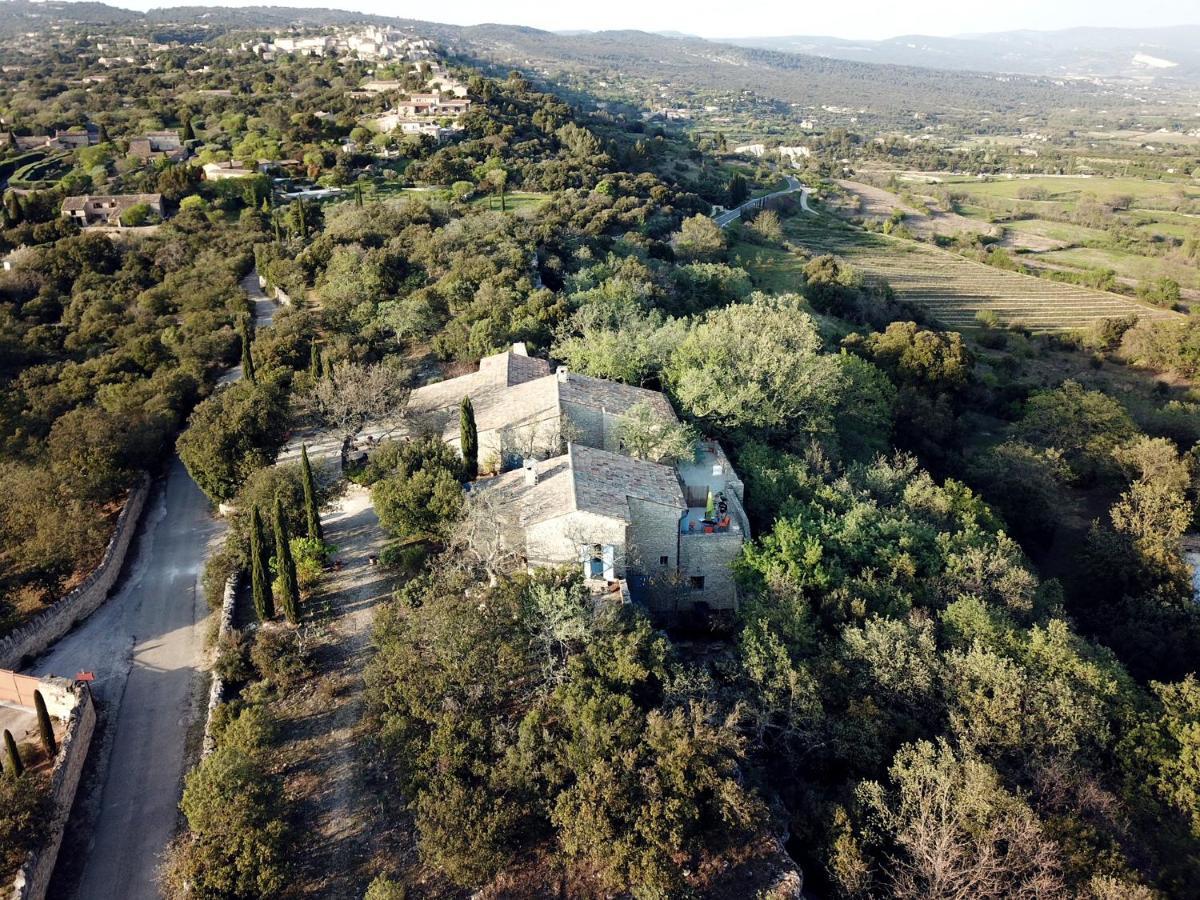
<point>954,289</point>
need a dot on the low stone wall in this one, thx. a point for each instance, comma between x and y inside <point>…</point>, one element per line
<point>274,292</point>
<point>216,691</point>
<point>56,620</point>
<point>33,879</point>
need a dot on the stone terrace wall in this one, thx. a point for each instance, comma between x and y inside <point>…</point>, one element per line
<point>216,690</point>
<point>53,622</point>
<point>33,879</point>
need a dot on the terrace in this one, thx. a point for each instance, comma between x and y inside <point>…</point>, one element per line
<point>710,474</point>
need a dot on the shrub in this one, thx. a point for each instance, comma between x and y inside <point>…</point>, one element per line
<point>406,558</point>
<point>235,812</point>
<point>385,889</point>
<point>233,663</point>
<point>280,656</point>
<point>25,809</point>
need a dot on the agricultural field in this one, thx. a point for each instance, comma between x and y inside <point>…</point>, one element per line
<point>1137,231</point>
<point>952,288</point>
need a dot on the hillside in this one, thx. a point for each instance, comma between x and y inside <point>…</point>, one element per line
<point>791,77</point>
<point>892,92</point>
<point>1115,53</point>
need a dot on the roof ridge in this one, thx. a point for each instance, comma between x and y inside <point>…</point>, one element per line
<point>574,504</point>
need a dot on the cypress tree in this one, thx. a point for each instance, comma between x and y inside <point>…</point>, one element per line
<point>45,726</point>
<point>311,514</point>
<point>15,767</point>
<point>326,366</point>
<point>468,436</point>
<point>187,132</point>
<point>260,581</point>
<point>13,203</point>
<point>314,361</point>
<point>247,357</point>
<point>289,588</point>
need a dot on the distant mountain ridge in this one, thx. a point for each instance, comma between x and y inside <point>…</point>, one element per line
<point>1114,53</point>
<point>895,91</point>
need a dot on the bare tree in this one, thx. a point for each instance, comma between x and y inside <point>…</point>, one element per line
<point>353,395</point>
<point>488,535</point>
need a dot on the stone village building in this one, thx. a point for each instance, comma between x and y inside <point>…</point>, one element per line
<point>568,494</point>
<point>95,209</point>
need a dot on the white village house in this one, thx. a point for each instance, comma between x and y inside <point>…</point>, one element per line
<point>573,496</point>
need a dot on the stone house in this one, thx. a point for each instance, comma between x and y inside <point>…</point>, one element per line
<point>524,408</point>
<point>158,145</point>
<point>107,210</point>
<point>218,171</point>
<point>569,494</point>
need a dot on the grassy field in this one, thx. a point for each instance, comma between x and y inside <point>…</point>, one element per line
<point>1070,189</point>
<point>1126,265</point>
<point>514,201</point>
<point>952,288</point>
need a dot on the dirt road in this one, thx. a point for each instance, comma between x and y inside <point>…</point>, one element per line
<point>344,833</point>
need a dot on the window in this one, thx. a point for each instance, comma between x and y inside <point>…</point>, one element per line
<point>697,582</point>
<point>664,560</point>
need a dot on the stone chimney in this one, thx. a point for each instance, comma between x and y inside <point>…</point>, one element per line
<point>531,471</point>
<point>562,372</point>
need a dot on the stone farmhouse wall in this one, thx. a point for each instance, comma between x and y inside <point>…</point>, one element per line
<point>52,623</point>
<point>75,704</point>
<point>711,557</point>
<point>552,541</point>
<point>653,534</point>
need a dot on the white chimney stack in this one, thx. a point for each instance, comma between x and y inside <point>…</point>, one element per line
<point>561,372</point>
<point>531,471</point>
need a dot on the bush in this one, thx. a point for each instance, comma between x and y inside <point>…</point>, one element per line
<point>385,889</point>
<point>233,662</point>
<point>406,558</point>
<point>221,565</point>
<point>25,810</point>
<point>234,807</point>
<point>309,555</point>
<point>280,656</point>
<point>232,433</point>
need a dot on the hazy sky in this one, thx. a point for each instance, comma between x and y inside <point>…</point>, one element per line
<point>856,19</point>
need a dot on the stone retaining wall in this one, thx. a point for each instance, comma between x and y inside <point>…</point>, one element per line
<point>274,292</point>
<point>216,690</point>
<point>56,620</point>
<point>33,879</point>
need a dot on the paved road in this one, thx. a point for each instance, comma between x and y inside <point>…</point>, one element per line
<point>146,648</point>
<point>793,185</point>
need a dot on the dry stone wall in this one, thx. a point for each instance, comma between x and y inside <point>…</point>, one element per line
<point>53,622</point>
<point>33,879</point>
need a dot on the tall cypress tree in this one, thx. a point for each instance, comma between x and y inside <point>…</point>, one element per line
<point>314,361</point>
<point>247,357</point>
<point>312,515</point>
<point>45,726</point>
<point>15,766</point>
<point>260,581</point>
<point>12,202</point>
<point>187,132</point>
<point>289,587</point>
<point>468,436</point>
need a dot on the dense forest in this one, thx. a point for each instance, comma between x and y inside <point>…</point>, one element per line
<point>963,661</point>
